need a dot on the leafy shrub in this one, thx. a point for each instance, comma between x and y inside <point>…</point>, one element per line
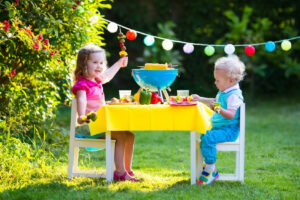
<point>38,43</point>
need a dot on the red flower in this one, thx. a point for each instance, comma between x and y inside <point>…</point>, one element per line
<point>74,7</point>
<point>16,3</point>
<point>46,41</point>
<point>36,46</point>
<point>6,25</point>
<point>40,37</point>
<point>52,53</point>
<point>78,2</point>
<point>12,73</point>
<point>44,48</point>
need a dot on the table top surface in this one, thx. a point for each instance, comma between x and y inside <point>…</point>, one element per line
<point>151,118</point>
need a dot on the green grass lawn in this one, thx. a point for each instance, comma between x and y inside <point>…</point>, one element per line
<point>162,161</point>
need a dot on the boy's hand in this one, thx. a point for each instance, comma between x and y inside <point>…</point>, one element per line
<point>123,61</point>
<point>195,97</point>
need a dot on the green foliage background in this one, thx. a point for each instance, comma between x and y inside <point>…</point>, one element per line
<point>214,22</point>
<point>42,71</point>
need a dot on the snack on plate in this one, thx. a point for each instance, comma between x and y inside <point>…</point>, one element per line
<point>123,101</point>
<point>156,66</point>
<point>181,98</point>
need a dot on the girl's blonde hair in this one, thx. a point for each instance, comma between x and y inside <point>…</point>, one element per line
<point>234,67</point>
<point>82,58</point>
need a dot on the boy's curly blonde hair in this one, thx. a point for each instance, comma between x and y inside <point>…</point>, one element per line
<point>82,58</point>
<point>234,67</point>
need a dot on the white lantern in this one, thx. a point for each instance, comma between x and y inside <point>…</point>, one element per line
<point>167,44</point>
<point>112,27</point>
<point>188,48</point>
<point>229,49</point>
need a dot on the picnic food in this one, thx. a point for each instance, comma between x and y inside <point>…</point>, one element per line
<point>155,98</point>
<point>121,38</point>
<point>91,116</point>
<point>156,66</point>
<point>123,100</point>
<point>181,98</point>
<point>145,97</point>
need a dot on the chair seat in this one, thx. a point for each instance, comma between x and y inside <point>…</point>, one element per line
<point>237,142</point>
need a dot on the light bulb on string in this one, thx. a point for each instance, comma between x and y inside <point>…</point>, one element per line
<point>167,44</point>
<point>270,46</point>
<point>112,27</point>
<point>149,40</point>
<point>249,50</point>
<point>229,49</point>
<point>286,45</point>
<point>209,50</point>
<point>188,48</point>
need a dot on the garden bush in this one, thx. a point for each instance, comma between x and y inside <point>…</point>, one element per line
<point>38,43</point>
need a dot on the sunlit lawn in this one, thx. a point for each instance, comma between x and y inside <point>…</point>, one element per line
<point>162,162</point>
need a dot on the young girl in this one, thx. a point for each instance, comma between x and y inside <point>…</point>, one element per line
<point>225,121</point>
<point>90,73</point>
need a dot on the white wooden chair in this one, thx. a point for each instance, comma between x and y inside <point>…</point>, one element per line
<point>76,143</point>
<point>238,146</point>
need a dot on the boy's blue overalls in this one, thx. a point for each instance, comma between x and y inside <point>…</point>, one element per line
<point>223,130</point>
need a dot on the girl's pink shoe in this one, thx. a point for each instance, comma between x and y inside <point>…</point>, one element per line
<point>131,173</point>
<point>123,177</point>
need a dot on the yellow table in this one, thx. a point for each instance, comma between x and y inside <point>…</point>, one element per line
<point>153,117</point>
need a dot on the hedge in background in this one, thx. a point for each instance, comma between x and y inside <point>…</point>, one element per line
<point>38,43</point>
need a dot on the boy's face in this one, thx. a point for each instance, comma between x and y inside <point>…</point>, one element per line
<point>222,81</point>
<point>95,65</point>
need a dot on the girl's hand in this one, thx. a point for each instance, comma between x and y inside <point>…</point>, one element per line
<point>81,120</point>
<point>123,61</point>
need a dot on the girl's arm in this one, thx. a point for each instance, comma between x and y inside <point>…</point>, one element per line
<point>205,100</point>
<point>81,104</point>
<point>111,72</point>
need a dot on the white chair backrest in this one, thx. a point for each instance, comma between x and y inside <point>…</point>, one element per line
<point>242,122</point>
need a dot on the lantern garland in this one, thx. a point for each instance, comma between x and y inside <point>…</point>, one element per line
<point>209,49</point>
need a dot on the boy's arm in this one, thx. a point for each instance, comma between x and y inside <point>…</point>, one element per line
<point>205,100</point>
<point>228,114</point>
<point>111,72</point>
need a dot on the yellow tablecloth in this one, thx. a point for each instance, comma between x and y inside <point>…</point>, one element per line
<point>152,117</point>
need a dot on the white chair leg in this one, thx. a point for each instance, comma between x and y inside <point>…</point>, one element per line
<point>237,164</point>
<point>109,158</point>
<point>71,161</point>
<point>76,155</point>
<point>242,166</point>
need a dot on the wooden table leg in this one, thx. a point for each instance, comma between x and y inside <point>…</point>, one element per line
<point>196,157</point>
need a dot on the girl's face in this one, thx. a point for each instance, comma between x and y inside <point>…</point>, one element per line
<point>222,81</point>
<point>95,65</point>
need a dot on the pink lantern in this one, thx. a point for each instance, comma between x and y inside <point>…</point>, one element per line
<point>249,50</point>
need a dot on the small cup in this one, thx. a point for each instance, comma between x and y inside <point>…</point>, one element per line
<point>183,93</point>
<point>124,94</point>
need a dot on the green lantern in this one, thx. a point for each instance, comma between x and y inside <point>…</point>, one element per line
<point>209,50</point>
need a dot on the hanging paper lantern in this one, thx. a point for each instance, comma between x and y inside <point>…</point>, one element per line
<point>286,45</point>
<point>167,44</point>
<point>188,48</point>
<point>229,49</point>
<point>209,50</point>
<point>149,40</point>
<point>131,35</point>
<point>270,46</point>
<point>249,50</point>
<point>112,27</point>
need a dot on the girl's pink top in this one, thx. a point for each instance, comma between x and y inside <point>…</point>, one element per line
<point>94,93</point>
